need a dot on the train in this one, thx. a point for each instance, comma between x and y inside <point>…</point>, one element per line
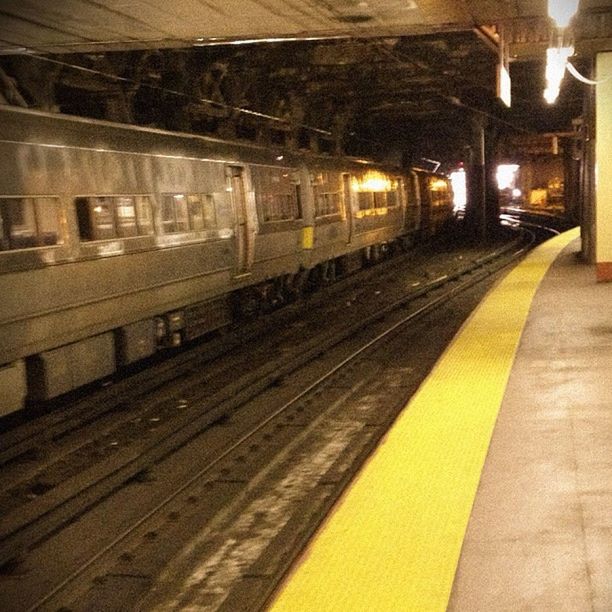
<point>119,241</point>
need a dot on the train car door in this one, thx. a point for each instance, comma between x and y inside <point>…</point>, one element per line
<point>348,206</point>
<point>245,237</point>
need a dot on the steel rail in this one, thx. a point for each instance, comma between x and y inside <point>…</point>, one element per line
<point>481,270</point>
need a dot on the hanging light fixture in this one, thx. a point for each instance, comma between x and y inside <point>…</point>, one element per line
<point>562,11</point>
<point>556,61</point>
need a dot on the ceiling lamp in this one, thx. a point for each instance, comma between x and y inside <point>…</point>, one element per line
<point>556,61</point>
<point>562,11</point>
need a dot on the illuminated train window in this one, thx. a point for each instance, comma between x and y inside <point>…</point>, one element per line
<point>277,193</point>
<point>376,192</point>
<point>207,218</point>
<point>365,200</point>
<point>192,212</point>
<point>195,212</point>
<point>327,188</point>
<point>439,191</point>
<point>125,214</point>
<point>27,223</point>
<point>393,197</point>
<point>109,217</point>
<point>175,217</point>
<point>144,217</point>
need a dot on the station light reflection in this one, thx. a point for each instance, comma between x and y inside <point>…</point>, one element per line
<point>459,184</point>
<point>562,11</point>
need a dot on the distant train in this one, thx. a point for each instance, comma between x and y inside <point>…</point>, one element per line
<point>117,240</point>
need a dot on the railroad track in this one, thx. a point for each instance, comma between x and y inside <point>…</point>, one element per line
<point>194,412</point>
<point>540,222</point>
<point>30,439</point>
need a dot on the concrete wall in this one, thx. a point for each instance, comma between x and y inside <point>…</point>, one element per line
<point>603,168</point>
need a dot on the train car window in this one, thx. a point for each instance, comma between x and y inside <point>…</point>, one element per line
<point>175,216</point>
<point>275,194</point>
<point>28,222</point>
<point>22,224</point>
<point>168,217</point>
<point>380,199</point>
<point>181,213</point>
<point>327,188</point>
<point>83,218</point>
<point>298,198</point>
<point>439,191</point>
<point>196,212</point>
<point>96,218</point>
<point>210,211</point>
<point>376,192</point>
<point>331,203</point>
<point>125,212</point>
<point>103,219</point>
<point>144,218</point>
<point>108,217</point>
<point>46,221</point>
<point>188,212</point>
<point>365,200</point>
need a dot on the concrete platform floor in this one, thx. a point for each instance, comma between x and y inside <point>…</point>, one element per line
<point>540,533</point>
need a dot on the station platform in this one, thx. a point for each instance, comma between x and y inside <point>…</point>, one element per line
<point>493,489</point>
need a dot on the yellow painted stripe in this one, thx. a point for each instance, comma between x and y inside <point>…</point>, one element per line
<point>393,540</point>
<point>308,237</point>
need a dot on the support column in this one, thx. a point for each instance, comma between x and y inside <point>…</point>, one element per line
<point>491,210</point>
<point>476,183</point>
<point>571,181</point>
<point>603,167</point>
<point>587,176</point>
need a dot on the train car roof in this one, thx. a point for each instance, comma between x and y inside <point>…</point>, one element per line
<point>58,130</point>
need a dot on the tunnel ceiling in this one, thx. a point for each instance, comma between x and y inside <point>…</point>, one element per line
<point>364,73</point>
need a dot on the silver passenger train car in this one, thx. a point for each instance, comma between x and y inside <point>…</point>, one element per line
<point>116,240</point>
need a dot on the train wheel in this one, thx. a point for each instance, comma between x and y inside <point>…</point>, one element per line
<point>247,303</point>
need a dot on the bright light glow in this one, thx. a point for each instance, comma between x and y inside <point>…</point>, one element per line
<point>538,197</point>
<point>458,181</point>
<point>517,193</point>
<point>506,176</point>
<point>438,185</point>
<point>372,181</point>
<point>504,85</point>
<point>556,59</point>
<point>562,11</point>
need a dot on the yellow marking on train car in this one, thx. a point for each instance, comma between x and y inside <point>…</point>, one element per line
<point>393,540</point>
<point>308,237</point>
<point>373,212</point>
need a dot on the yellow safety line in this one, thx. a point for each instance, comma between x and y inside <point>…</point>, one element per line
<point>393,540</point>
